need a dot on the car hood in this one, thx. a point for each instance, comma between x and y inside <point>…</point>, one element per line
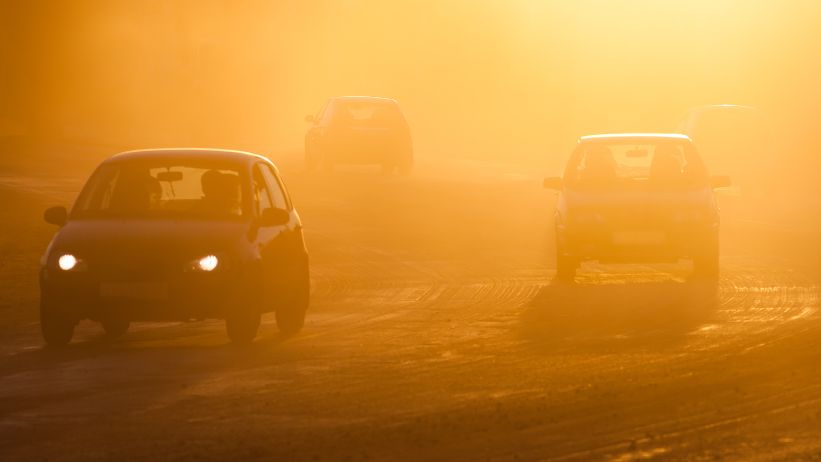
<point>140,239</point>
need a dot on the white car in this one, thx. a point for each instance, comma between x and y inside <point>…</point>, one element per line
<point>737,140</point>
<point>636,198</point>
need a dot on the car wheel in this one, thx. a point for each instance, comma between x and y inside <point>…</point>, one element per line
<point>291,313</point>
<point>706,265</point>
<point>242,327</point>
<point>115,327</point>
<point>311,156</point>
<point>388,168</point>
<point>310,161</point>
<point>57,327</point>
<point>565,265</point>
<point>566,268</point>
<point>405,166</point>
<point>327,165</point>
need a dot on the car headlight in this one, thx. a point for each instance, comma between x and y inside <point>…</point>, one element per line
<point>205,264</point>
<point>68,262</point>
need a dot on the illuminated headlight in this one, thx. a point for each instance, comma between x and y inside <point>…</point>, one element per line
<point>68,262</point>
<point>207,263</point>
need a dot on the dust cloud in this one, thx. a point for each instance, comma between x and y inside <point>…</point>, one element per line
<point>499,80</point>
<point>435,329</point>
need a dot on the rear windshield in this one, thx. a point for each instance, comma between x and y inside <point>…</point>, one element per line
<point>663,164</point>
<point>163,188</point>
<point>367,113</point>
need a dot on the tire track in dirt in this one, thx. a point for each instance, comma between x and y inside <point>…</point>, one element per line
<point>758,308</point>
<point>398,341</point>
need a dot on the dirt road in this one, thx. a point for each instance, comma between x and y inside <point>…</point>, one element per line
<point>434,333</point>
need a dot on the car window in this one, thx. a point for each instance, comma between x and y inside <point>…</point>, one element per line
<point>278,197</point>
<point>655,162</point>
<point>367,113</point>
<point>260,191</point>
<point>162,188</point>
<point>322,110</point>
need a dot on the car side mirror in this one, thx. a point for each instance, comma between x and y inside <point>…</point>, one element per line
<point>310,119</point>
<point>553,183</point>
<point>56,215</point>
<point>720,181</point>
<point>274,217</point>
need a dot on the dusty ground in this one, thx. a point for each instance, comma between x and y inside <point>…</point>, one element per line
<point>434,333</point>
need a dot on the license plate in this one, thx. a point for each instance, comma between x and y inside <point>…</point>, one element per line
<point>629,238</point>
<point>134,290</point>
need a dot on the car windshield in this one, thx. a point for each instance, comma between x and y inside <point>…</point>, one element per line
<point>162,188</point>
<point>636,163</point>
<point>367,113</point>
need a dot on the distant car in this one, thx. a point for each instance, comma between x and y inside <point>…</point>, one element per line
<point>359,130</point>
<point>636,198</point>
<point>174,235</point>
<point>738,140</point>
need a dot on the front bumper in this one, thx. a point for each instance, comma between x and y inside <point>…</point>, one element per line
<point>183,296</point>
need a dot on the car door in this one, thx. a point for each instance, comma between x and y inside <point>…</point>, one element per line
<point>320,121</point>
<point>267,238</point>
<point>283,255</point>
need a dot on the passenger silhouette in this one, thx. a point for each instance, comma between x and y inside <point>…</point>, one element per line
<point>599,165</point>
<point>136,192</point>
<point>665,165</point>
<point>221,193</point>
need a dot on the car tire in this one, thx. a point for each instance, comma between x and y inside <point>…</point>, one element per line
<point>388,168</point>
<point>291,313</point>
<point>566,268</point>
<point>312,156</point>
<point>405,166</point>
<point>706,265</point>
<point>565,265</point>
<point>56,326</point>
<point>242,327</point>
<point>327,165</point>
<point>310,160</point>
<point>115,327</point>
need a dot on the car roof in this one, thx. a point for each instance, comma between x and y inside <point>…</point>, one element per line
<point>365,99</point>
<point>636,136</point>
<point>711,107</point>
<point>187,153</point>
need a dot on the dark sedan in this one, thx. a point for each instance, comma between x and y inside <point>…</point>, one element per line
<point>359,130</point>
<point>172,235</point>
